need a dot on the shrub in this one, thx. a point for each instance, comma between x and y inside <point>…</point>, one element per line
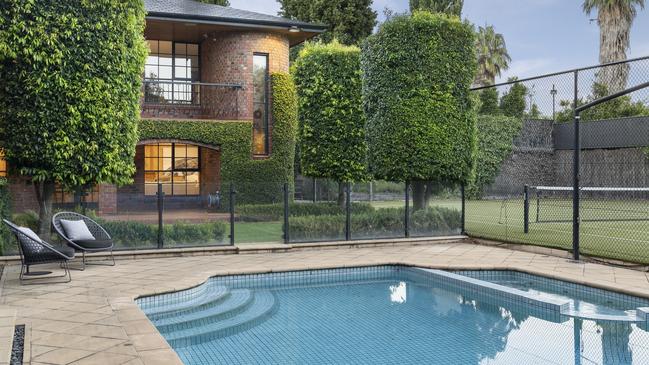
<point>380,223</point>
<point>495,143</point>
<point>6,238</point>
<point>136,234</point>
<point>512,103</point>
<point>417,71</point>
<point>332,122</point>
<point>275,212</point>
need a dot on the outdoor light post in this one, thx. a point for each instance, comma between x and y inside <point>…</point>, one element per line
<point>553,92</point>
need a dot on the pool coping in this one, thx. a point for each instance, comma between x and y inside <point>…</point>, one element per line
<point>131,317</point>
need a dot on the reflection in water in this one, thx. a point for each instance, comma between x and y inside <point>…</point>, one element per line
<point>615,342</point>
<point>398,293</point>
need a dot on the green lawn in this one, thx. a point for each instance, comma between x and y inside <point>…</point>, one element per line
<point>627,240</point>
<point>256,232</point>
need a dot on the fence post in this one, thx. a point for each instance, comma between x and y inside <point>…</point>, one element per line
<point>348,212</point>
<point>287,238</point>
<point>232,197</point>
<point>575,176</point>
<point>463,219</point>
<point>160,195</point>
<point>526,209</point>
<point>315,187</point>
<point>407,216</point>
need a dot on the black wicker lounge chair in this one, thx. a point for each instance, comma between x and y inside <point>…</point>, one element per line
<point>102,241</point>
<point>33,252</point>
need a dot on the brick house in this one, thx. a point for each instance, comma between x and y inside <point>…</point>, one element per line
<point>206,63</point>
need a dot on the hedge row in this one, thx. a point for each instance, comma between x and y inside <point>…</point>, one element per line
<point>6,238</point>
<point>275,212</point>
<point>255,180</point>
<point>134,234</point>
<point>380,223</point>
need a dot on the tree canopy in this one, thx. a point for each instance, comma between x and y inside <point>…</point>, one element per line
<point>451,7</point>
<point>349,21</point>
<point>332,122</point>
<point>420,119</point>
<point>69,97</point>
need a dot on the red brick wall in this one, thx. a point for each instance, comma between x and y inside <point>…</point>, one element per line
<point>226,57</point>
<point>23,196</point>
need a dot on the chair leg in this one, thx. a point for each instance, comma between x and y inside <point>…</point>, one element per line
<point>102,262</point>
<point>24,269</point>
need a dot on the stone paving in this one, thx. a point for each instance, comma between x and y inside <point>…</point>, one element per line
<point>94,320</point>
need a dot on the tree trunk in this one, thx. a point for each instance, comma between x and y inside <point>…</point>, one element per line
<point>614,29</point>
<point>341,195</point>
<point>44,195</point>
<point>418,195</point>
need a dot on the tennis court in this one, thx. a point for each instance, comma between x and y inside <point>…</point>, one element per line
<point>610,228</point>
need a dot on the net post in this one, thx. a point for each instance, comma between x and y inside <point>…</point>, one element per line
<point>526,209</point>
<point>575,176</point>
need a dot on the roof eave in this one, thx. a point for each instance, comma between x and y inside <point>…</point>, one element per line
<point>252,23</point>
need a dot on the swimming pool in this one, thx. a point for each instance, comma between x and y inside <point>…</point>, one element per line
<point>387,315</point>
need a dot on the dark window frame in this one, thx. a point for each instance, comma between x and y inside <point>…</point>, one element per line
<point>266,103</point>
<point>194,90</point>
<point>173,168</point>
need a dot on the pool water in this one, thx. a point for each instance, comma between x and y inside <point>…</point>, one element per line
<point>377,315</point>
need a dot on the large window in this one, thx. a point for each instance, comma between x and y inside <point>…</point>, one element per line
<point>174,165</point>
<point>169,72</point>
<point>260,103</point>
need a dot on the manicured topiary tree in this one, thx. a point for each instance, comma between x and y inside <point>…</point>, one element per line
<point>417,71</point>
<point>332,122</point>
<point>69,96</point>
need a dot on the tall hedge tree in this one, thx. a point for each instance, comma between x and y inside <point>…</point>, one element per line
<point>417,71</point>
<point>349,21</point>
<point>332,122</point>
<point>69,97</point>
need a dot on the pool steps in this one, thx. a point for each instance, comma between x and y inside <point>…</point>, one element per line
<point>189,300</point>
<point>243,309</point>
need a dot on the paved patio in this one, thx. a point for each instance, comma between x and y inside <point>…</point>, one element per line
<point>93,319</point>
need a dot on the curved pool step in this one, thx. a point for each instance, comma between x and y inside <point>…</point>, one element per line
<point>210,296</point>
<point>238,301</point>
<point>262,308</point>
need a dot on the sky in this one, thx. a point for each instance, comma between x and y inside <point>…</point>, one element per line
<point>542,35</point>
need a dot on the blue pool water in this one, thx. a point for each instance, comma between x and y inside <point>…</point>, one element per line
<point>378,315</point>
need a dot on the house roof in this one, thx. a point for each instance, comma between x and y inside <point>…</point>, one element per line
<point>191,10</point>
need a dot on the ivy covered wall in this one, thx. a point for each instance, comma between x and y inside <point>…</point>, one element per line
<point>255,180</point>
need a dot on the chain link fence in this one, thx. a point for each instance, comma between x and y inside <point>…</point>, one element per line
<point>524,182</point>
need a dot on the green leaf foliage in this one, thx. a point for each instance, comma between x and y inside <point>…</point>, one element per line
<point>5,213</point>
<point>495,143</point>
<point>451,7</point>
<point>69,96</point>
<point>332,121</point>
<point>417,71</point>
<point>621,107</point>
<point>349,21</point>
<point>255,180</point>
<point>489,102</point>
<point>512,103</point>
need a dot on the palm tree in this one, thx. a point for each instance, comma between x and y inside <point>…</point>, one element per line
<point>492,55</point>
<point>615,18</point>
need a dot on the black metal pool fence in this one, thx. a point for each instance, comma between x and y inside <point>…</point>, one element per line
<point>576,175</point>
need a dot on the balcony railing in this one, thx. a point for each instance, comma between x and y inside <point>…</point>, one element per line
<point>187,99</point>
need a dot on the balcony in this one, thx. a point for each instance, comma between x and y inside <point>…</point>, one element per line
<point>178,99</point>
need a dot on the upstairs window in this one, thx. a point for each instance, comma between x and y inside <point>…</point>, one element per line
<point>260,104</point>
<point>170,70</point>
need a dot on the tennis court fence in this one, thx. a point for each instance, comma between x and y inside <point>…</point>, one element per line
<point>551,180</point>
